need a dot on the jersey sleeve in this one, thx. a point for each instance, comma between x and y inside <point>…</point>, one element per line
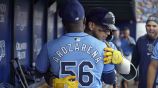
<point>42,62</point>
<point>155,52</point>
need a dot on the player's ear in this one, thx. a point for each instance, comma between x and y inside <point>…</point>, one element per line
<point>91,25</point>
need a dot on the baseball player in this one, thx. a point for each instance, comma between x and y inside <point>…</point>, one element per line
<point>152,77</point>
<point>75,55</point>
<point>143,50</point>
<point>99,23</point>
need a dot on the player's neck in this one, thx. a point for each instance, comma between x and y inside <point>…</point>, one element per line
<point>75,29</point>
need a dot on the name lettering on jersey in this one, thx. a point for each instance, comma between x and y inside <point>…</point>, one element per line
<point>76,47</point>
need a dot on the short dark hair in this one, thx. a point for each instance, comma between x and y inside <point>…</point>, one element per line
<point>126,28</point>
<point>101,16</point>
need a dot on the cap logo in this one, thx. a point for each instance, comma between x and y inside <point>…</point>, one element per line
<point>111,16</point>
<point>153,19</point>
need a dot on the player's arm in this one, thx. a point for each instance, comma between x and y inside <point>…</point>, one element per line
<point>124,68</point>
<point>152,69</point>
<point>42,60</point>
<point>42,63</point>
<point>112,55</point>
<point>127,69</point>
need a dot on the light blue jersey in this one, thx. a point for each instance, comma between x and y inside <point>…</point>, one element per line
<point>74,54</point>
<point>108,68</point>
<point>108,75</point>
<point>155,52</point>
<point>155,56</point>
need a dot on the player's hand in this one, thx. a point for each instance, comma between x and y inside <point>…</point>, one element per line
<point>67,82</point>
<point>112,56</point>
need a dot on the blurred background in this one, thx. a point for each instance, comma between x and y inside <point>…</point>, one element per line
<point>25,25</point>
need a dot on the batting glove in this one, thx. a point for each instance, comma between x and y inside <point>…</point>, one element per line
<point>112,56</point>
<point>67,82</point>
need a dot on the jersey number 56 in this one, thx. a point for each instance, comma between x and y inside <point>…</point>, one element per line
<point>81,72</point>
